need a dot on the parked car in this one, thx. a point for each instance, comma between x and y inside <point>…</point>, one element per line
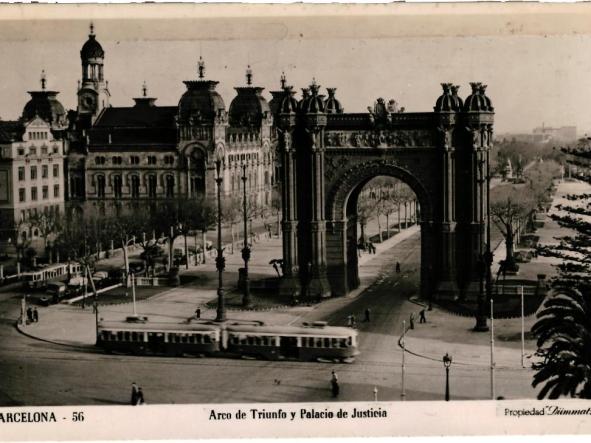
<point>137,268</point>
<point>100,279</point>
<point>54,293</point>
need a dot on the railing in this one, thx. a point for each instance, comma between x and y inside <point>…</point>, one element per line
<point>151,281</point>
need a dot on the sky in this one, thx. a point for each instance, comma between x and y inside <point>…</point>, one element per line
<point>531,79</point>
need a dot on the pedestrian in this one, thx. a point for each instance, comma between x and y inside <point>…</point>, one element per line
<point>30,314</point>
<point>353,321</point>
<point>367,315</point>
<point>412,320</point>
<point>198,313</point>
<point>140,397</point>
<point>373,248</point>
<point>398,267</point>
<point>334,383</point>
<point>35,315</point>
<point>350,321</point>
<point>134,391</point>
<point>422,318</point>
<point>276,267</point>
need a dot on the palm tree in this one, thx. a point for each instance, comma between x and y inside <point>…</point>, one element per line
<point>563,332</point>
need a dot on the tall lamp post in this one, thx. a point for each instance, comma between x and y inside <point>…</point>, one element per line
<point>481,325</point>
<point>447,363</point>
<point>246,301</point>
<point>220,260</point>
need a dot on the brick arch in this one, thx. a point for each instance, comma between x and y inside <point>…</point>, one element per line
<point>339,193</point>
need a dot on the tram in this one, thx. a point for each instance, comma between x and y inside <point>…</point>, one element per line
<point>306,343</point>
<point>41,277</point>
<point>159,338</point>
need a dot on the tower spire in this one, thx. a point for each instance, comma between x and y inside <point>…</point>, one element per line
<point>43,79</point>
<point>283,80</point>
<point>248,76</point>
<point>144,89</point>
<point>201,67</point>
<point>91,28</point>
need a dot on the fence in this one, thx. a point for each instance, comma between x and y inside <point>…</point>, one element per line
<point>151,281</point>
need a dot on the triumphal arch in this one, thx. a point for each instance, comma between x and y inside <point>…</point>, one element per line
<point>327,157</point>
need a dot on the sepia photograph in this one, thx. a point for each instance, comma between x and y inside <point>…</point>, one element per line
<point>301,204</point>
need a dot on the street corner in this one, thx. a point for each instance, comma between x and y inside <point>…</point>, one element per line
<point>63,325</point>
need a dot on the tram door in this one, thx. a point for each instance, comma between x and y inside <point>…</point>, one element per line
<point>288,346</point>
<point>156,342</point>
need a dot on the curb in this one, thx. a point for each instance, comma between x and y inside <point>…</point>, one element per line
<point>34,337</point>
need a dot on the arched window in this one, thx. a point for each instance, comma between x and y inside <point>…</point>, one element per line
<point>169,186</point>
<point>152,186</point>
<point>117,186</point>
<point>135,186</point>
<point>100,186</point>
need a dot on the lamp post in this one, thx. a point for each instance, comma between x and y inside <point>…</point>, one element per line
<point>481,325</point>
<point>246,250</point>
<point>220,260</point>
<point>447,363</point>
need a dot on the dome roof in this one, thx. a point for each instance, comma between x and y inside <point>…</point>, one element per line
<point>312,103</point>
<point>331,104</point>
<point>92,48</point>
<point>45,105</point>
<point>200,99</point>
<point>478,101</point>
<point>249,107</point>
<point>275,102</point>
<point>289,104</point>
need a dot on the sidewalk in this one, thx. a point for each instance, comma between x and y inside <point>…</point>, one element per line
<point>64,324</point>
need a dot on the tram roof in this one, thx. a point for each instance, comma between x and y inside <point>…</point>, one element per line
<point>157,326</point>
<point>294,330</point>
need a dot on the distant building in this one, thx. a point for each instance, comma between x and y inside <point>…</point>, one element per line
<point>562,134</point>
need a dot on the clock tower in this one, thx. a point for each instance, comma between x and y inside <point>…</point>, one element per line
<point>93,91</point>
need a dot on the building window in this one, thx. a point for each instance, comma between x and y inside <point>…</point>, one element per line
<point>34,194</point>
<point>21,173</point>
<point>117,186</point>
<point>135,160</point>
<point>100,186</point>
<point>33,151</point>
<point>56,191</point>
<point>169,186</point>
<point>55,150</point>
<point>117,160</point>
<point>152,160</point>
<point>44,150</point>
<point>20,151</point>
<point>21,195</point>
<point>44,171</point>
<point>56,170</point>
<point>33,172</point>
<point>152,186</point>
<point>101,160</point>
<point>168,159</point>
<point>45,192</point>
<point>135,186</point>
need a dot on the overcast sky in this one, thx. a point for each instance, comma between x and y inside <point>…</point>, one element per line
<point>532,80</point>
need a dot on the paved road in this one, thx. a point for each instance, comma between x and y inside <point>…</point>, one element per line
<point>37,373</point>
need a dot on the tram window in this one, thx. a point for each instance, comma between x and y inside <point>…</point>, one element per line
<point>183,339</point>
<point>251,341</point>
<point>334,342</point>
<point>327,342</point>
<point>318,342</point>
<point>265,341</point>
<point>343,342</point>
<point>243,341</point>
<point>349,341</point>
<point>206,339</point>
<point>119,336</point>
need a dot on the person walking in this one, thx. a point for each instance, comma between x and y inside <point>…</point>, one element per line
<point>334,384</point>
<point>198,313</point>
<point>398,267</point>
<point>353,321</point>
<point>30,314</point>
<point>412,320</point>
<point>140,397</point>
<point>134,393</point>
<point>35,315</point>
<point>350,321</point>
<point>422,318</point>
<point>367,315</point>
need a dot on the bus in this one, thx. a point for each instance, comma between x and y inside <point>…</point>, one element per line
<point>39,278</point>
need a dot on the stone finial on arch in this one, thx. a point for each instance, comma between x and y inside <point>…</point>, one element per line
<point>336,199</point>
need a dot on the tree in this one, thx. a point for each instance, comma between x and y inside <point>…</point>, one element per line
<point>48,224</point>
<point>365,211</point>
<point>231,214</point>
<point>508,208</point>
<point>563,328</point>
<point>276,208</point>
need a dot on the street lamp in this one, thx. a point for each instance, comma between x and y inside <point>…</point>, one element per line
<point>220,260</point>
<point>447,363</point>
<point>481,325</point>
<point>246,250</point>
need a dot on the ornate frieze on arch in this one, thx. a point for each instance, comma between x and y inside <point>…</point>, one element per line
<point>380,138</point>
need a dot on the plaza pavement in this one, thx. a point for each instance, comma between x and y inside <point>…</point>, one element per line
<point>72,325</point>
